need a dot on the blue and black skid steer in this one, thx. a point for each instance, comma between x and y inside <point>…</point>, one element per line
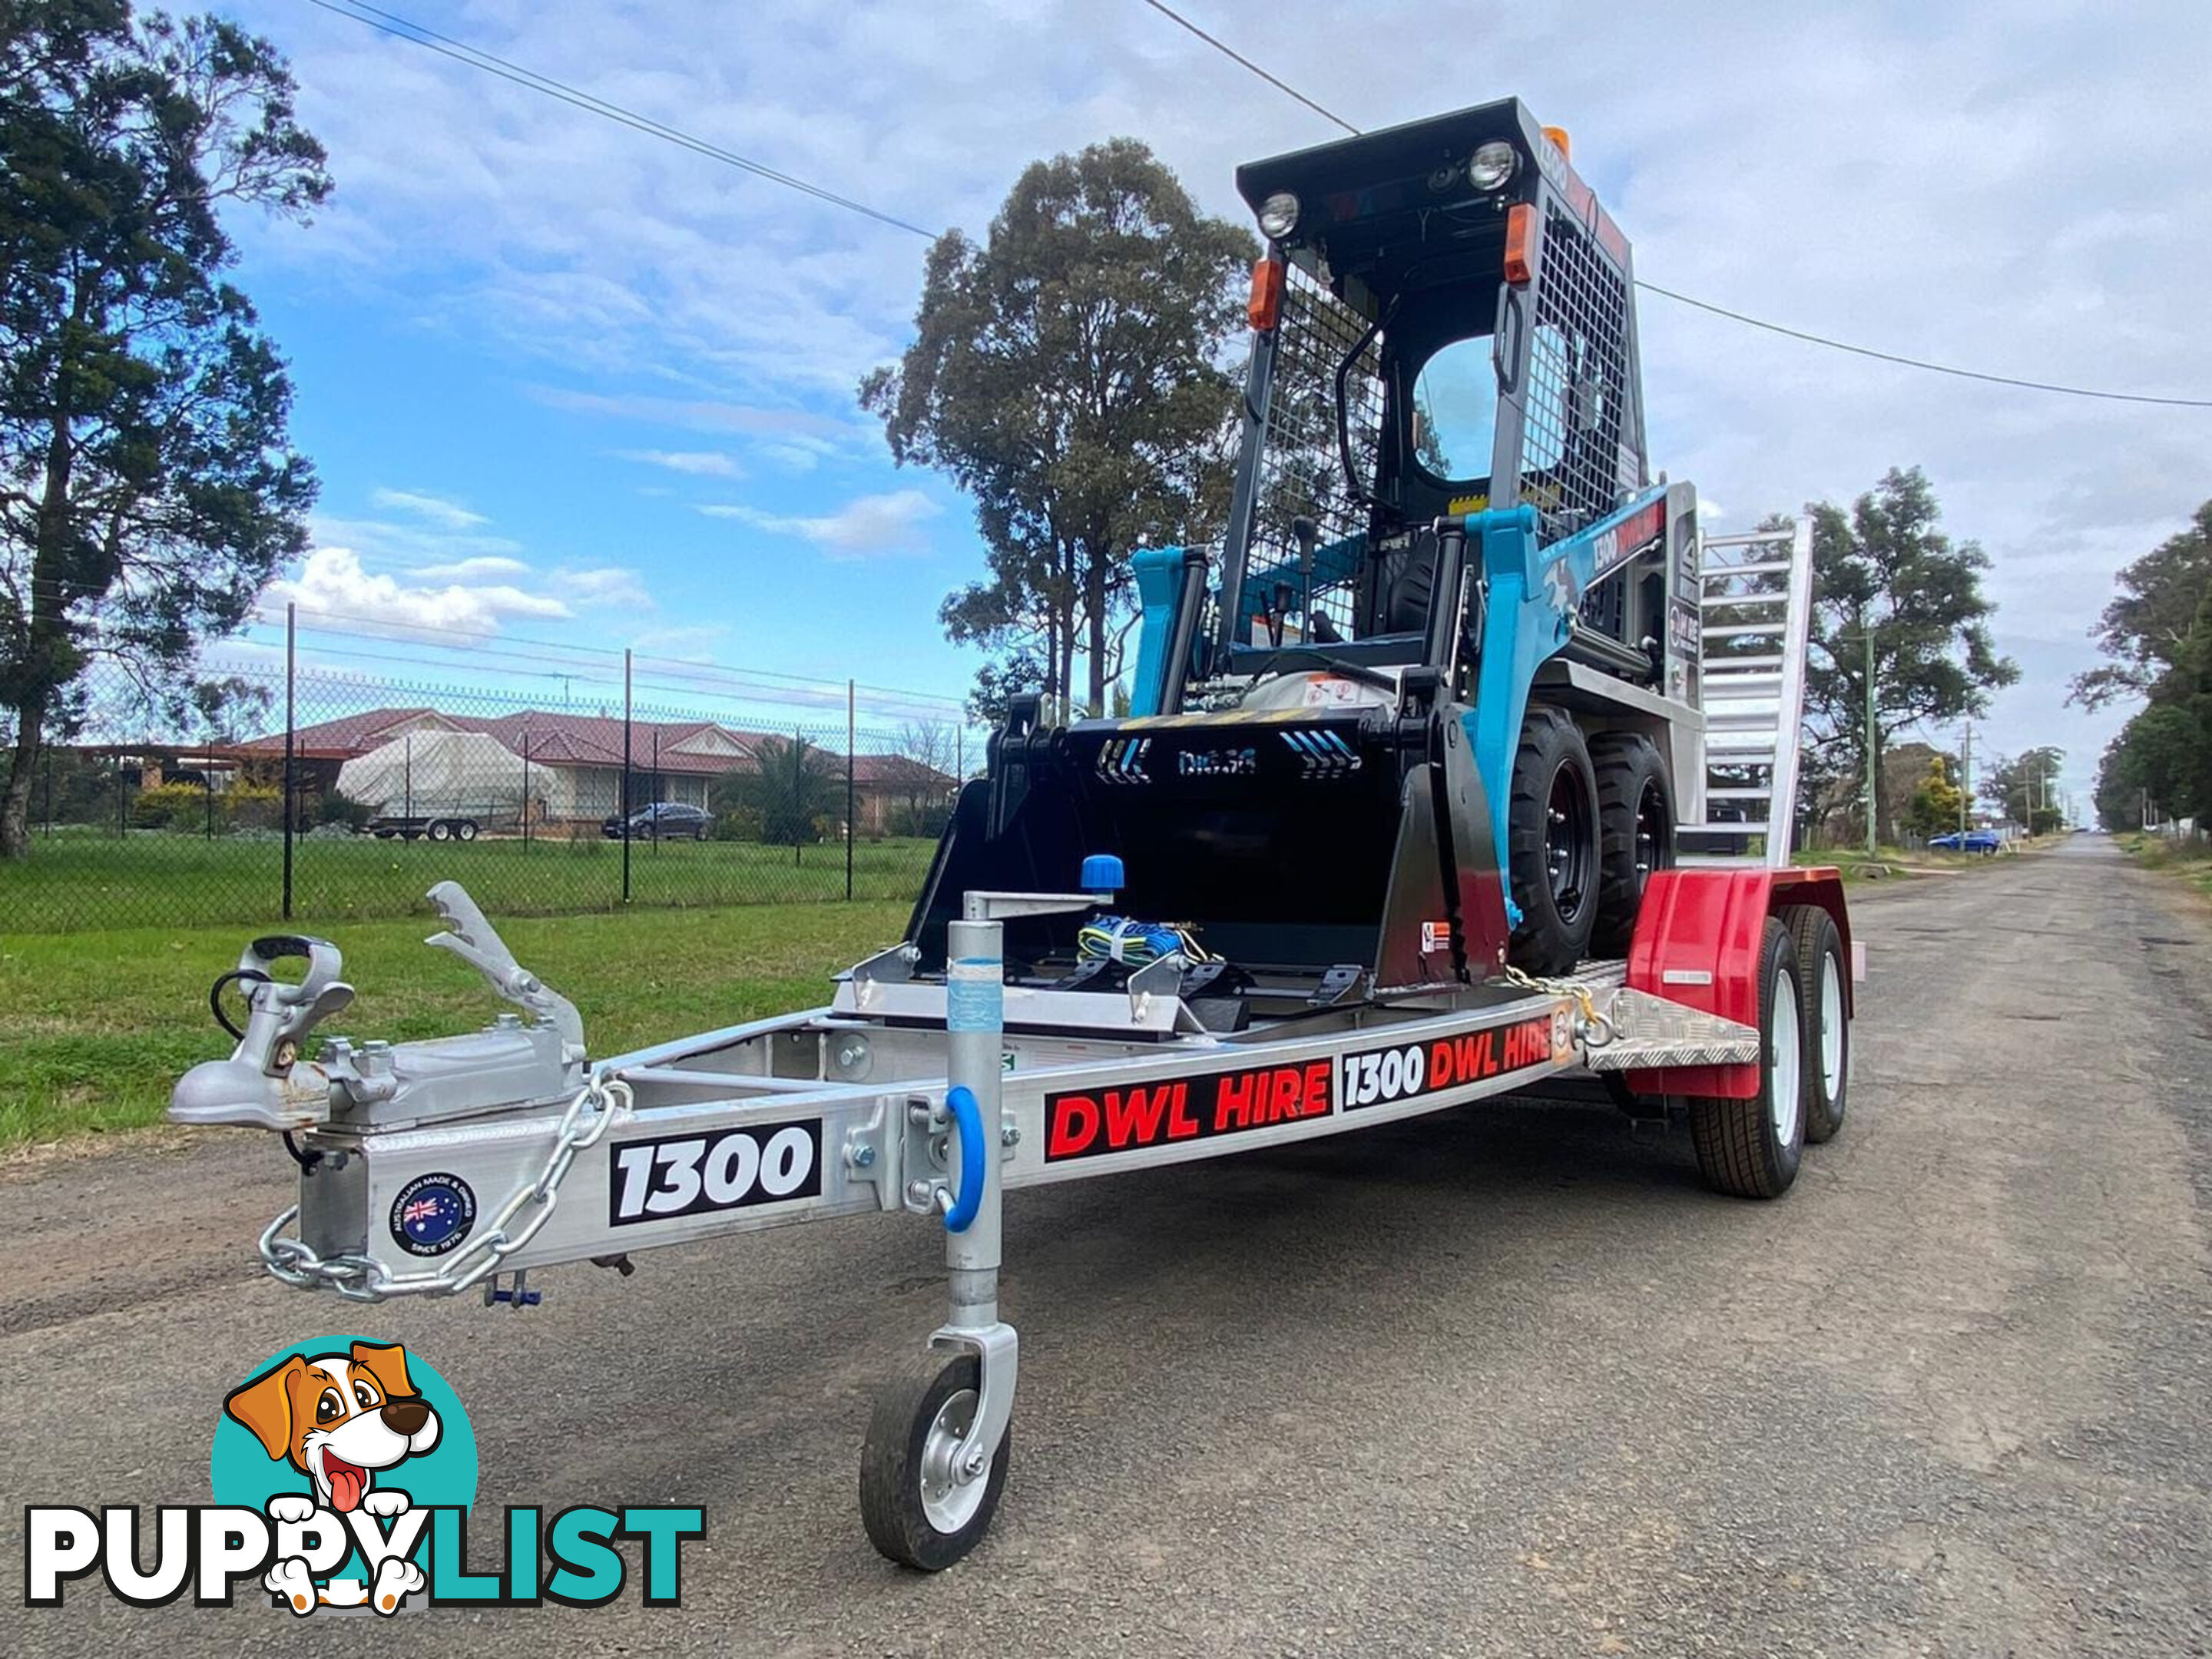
<point>1425,718</point>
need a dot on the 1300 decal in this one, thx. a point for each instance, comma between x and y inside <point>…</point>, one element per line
<point>1380,1077</point>
<point>735,1170</point>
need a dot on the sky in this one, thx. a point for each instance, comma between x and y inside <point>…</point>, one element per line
<point>565,381</point>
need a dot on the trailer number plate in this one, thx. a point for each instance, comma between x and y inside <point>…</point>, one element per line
<point>735,1170</point>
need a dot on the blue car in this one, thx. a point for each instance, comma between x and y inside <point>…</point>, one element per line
<point>1966,841</point>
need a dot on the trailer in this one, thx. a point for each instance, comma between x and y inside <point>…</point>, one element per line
<point>1351,859</point>
<point>459,824</point>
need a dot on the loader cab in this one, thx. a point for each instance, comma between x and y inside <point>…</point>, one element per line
<point>1442,323</point>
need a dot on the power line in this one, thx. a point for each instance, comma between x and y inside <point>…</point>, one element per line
<point>1169,13</point>
<point>1917,362</point>
<point>400,28</point>
<point>1177,18</point>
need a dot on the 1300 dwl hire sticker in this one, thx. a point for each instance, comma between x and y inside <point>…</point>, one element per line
<point>731,1170</point>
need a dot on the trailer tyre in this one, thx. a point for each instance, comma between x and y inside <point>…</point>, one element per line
<point>1551,844</point>
<point>1750,1148</point>
<point>441,830</point>
<point>917,1512</point>
<point>1827,1026</point>
<point>466,829</point>
<point>1635,832</point>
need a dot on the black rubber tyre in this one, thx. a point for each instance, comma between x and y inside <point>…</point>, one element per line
<point>1635,832</point>
<point>1742,1150</point>
<point>466,829</point>
<point>441,830</point>
<point>1551,844</point>
<point>1820,945</point>
<point>892,1505</point>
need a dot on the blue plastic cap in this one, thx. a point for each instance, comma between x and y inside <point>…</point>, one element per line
<point>1103,874</point>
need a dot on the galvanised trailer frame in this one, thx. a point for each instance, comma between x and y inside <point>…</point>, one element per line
<point>433,1168</point>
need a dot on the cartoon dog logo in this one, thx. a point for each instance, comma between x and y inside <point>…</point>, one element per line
<point>340,1419</point>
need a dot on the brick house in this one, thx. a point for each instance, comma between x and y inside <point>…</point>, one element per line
<point>573,762</point>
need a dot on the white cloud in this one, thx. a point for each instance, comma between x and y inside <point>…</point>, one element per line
<point>684,639</point>
<point>873,523</point>
<point>611,586</point>
<point>698,414</point>
<point>393,541</point>
<point>481,569</point>
<point>447,515</point>
<point>694,463</point>
<point>795,458</point>
<point>333,584</point>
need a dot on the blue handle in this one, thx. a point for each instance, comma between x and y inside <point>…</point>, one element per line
<point>968,1118</point>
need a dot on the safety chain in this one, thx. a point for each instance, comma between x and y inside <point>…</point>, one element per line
<point>1597,1030</point>
<point>364,1278</point>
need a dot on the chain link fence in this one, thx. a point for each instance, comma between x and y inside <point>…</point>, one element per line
<point>303,788</point>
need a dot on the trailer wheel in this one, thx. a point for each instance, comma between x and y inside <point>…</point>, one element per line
<point>1820,945</point>
<point>441,830</point>
<point>1635,832</point>
<point>1750,1148</point>
<point>1552,850</point>
<point>466,829</point>
<point>917,1510</point>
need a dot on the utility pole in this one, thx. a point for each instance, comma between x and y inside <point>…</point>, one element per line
<point>1967,778</point>
<point>1872,783</point>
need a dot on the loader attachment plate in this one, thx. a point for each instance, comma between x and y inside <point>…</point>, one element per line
<point>1290,840</point>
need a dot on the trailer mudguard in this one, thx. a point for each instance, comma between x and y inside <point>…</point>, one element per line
<point>1698,941</point>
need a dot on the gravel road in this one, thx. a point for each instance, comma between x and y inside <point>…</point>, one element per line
<point>1507,1381</point>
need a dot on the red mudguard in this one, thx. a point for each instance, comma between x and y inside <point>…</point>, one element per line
<point>1697,941</point>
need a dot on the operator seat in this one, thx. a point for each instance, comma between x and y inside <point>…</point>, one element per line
<point>1412,586</point>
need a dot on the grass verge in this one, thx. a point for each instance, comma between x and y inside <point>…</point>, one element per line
<point>94,1028</point>
<point>2188,862</point>
<point>78,879</point>
<point>1857,864</point>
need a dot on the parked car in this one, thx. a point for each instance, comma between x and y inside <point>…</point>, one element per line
<point>664,820</point>
<point>1966,841</point>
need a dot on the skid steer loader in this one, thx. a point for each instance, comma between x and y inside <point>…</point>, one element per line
<point>1426,718</point>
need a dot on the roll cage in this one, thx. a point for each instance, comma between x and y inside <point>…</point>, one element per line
<point>1394,254</point>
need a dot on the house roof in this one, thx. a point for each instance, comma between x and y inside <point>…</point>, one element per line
<point>550,738</point>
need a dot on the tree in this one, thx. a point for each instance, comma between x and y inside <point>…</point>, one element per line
<point>2159,631</point>
<point>149,490</point>
<point>2025,787</point>
<point>1068,374</point>
<point>1884,570</point>
<point>1937,806</point>
<point>918,778</point>
<point>2146,625</point>
<point>785,787</point>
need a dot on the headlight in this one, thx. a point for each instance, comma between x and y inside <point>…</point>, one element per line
<point>1278,215</point>
<point>1493,165</point>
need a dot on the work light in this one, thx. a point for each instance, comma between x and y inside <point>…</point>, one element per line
<point>1278,215</point>
<point>1492,166</point>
